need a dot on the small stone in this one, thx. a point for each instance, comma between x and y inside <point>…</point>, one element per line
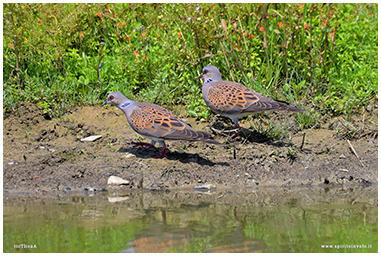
<point>206,186</point>
<point>115,180</point>
<point>342,156</point>
<point>129,155</point>
<point>248,175</point>
<point>91,138</point>
<point>342,181</point>
<point>90,189</point>
<point>369,107</point>
<point>52,150</point>
<point>11,162</point>
<point>117,199</point>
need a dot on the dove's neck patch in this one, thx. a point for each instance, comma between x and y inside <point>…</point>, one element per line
<point>210,80</point>
<point>125,104</point>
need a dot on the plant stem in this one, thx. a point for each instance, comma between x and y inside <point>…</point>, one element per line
<point>247,51</point>
<point>15,42</point>
<point>265,7</point>
<point>284,46</point>
<point>226,58</point>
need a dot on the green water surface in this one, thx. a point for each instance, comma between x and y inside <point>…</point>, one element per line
<point>262,220</point>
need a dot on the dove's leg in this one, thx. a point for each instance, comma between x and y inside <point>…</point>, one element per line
<point>236,126</point>
<point>162,154</point>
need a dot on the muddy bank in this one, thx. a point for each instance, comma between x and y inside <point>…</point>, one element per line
<point>46,155</point>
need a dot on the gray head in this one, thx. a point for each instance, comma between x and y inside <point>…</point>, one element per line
<point>210,74</point>
<point>117,99</point>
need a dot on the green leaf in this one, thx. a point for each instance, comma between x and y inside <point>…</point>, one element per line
<point>102,64</point>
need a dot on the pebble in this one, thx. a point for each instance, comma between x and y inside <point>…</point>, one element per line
<point>343,181</point>
<point>115,180</point>
<point>89,189</point>
<point>129,155</point>
<point>207,186</point>
<point>342,156</point>
<point>248,175</point>
<point>117,199</point>
<point>91,138</point>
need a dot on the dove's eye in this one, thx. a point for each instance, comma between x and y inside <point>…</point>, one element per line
<point>205,71</point>
<point>111,97</point>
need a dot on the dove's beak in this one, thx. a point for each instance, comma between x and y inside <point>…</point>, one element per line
<point>104,103</point>
<point>201,76</point>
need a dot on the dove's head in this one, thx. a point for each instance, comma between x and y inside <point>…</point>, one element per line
<point>117,99</point>
<point>210,74</point>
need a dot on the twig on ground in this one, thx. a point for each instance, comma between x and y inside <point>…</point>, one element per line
<point>223,131</point>
<point>354,152</point>
<point>301,146</point>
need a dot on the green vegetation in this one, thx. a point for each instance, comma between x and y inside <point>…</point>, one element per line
<point>317,56</point>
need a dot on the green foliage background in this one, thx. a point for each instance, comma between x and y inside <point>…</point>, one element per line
<point>321,57</point>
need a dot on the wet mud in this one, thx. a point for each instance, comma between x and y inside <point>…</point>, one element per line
<point>45,155</point>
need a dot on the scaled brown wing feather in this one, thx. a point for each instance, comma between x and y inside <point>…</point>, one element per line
<point>151,120</point>
<point>230,97</point>
<point>265,103</point>
<point>181,130</point>
<point>240,99</point>
<point>155,121</point>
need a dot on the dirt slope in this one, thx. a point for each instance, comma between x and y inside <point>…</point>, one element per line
<point>43,155</point>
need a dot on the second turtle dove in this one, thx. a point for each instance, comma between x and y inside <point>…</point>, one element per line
<point>234,100</point>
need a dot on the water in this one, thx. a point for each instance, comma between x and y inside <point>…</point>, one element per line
<point>261,220</point>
